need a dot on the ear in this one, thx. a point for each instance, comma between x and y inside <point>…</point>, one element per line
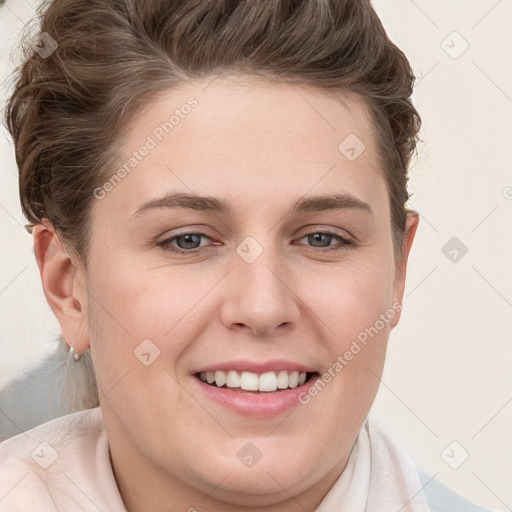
<point>411,226</point>
<point>64,293</point>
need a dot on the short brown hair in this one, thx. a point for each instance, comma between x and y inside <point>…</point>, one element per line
<point>68,109</point>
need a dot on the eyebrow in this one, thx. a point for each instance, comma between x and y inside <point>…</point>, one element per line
<point>343,201</point>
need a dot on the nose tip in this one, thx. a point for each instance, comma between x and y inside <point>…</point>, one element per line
<point>259,297</point>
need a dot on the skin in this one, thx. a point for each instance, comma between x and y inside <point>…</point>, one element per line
<point>260,147</point>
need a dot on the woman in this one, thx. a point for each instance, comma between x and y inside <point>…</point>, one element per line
<point>217,192</point>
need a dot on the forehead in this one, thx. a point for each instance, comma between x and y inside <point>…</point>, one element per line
<point>250,141</point>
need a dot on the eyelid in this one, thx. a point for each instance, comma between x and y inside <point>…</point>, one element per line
<point>344,242</point>
<point>342,233</point>
<point>165,243</point>
<point>187,230</point>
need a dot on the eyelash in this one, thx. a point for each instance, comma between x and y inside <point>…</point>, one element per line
<point>345,243</point>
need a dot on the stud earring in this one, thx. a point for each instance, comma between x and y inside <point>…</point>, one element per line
<point>76,356</point>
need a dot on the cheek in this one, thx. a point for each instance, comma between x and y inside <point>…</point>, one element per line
<point>139,303</point>
<point>356,308</point>
<point>352,298</point>
<point>144,316</point>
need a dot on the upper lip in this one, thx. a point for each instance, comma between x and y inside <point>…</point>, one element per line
<point>245,365</point>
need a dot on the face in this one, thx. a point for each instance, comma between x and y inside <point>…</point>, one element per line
<point>286,267</point>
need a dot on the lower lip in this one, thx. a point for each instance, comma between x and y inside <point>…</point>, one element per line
<point>262,404</point>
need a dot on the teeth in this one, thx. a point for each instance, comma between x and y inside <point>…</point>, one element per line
<point>268,382</point>
<point>293,379</point>
<point>249,381</point>
<point>282,379</point>
<point>220,379</point>
<point>232,379</point>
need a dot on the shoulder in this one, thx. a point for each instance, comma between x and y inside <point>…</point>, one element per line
<point>437,496</point>
<point>60,465</point>
<point>442,499</point>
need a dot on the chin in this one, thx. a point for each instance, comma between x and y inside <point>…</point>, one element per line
<point>257,487</point>
<point>262,482</point>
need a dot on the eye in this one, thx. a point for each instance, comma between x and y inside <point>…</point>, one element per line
<point>321,241</point>
<point>188,243</point>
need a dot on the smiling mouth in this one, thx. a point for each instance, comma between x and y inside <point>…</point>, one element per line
<point>267,382</point>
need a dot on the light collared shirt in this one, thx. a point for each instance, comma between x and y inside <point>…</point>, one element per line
<point>64,464</point>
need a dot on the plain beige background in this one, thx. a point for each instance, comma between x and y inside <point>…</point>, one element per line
<point>446,393</point>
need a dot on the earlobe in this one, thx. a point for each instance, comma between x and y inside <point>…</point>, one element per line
<point>411,226</point>
<point>58,277</point>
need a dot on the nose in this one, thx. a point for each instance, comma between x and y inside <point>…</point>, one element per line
<point>260,297</point>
